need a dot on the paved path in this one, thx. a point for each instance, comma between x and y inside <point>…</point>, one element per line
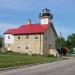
<point>66,67</point>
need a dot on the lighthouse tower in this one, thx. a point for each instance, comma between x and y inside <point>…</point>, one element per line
<point>45,16</point>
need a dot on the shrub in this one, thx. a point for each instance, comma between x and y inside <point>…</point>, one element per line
<point>35,54</point>
<point>15,53</point>
<point>50,55</point>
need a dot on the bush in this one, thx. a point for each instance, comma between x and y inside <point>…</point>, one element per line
<point>15,53</point>
<point>50,55</point>
<point>35,54</point>
<point>9,52</point>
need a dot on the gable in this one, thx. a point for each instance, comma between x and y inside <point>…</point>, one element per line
<point>52,30</point>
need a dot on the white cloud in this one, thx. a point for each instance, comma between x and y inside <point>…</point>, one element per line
<point>4,27</point>
<point>64,29</point>
<point>29,5</point>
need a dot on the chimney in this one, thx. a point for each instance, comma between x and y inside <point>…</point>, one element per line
<point>29,21</point>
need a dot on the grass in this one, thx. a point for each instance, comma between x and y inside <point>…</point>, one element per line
<point>17,59</point>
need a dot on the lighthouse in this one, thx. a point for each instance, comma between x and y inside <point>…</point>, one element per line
<point>46,16</point>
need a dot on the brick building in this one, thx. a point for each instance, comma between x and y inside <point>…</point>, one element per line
<point>33,38</point>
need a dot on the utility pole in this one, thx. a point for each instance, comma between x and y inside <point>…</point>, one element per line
<point>60,43</point>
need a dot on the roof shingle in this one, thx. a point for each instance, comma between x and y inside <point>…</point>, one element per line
<point>28,29</point>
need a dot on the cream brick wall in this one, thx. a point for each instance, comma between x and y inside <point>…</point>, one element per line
<point>35,46</point>
<point>45,44</point>
<point>49,42</point>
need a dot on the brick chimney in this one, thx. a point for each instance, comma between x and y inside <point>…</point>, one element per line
<point>29,21</point>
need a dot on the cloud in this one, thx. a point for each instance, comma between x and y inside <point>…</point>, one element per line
<point>4,27</point>
<point>64,29</point>
<point>12,11</point>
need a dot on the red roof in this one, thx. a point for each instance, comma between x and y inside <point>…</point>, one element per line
<point>28,29</point>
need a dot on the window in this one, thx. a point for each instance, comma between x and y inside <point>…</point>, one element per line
<point>18,46</point>
<point>36,37</point>
<point>8,36</point>
<point>19,38</point>
<point>8,45</point>
<point>49,46</point>
<point>26,47</point>
<point>27,36</point>
<point>46,38</point>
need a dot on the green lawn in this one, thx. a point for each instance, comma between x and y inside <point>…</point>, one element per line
<point>16,59</point>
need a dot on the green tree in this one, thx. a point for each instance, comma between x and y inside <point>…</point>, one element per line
<point>1,42</point>
<point>70,42</point>
<point>60,42</point>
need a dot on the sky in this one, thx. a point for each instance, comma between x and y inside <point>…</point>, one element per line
<point>14,13</point>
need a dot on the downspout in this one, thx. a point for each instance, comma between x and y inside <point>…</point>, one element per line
<point>40,44</point>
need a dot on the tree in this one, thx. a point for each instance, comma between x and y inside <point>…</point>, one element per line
<point>60,42</point>
<point>1,42</point>
<point>60,45</point>
<point>70,43</point>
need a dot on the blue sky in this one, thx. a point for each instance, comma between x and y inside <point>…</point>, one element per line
<point>13,13</point>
